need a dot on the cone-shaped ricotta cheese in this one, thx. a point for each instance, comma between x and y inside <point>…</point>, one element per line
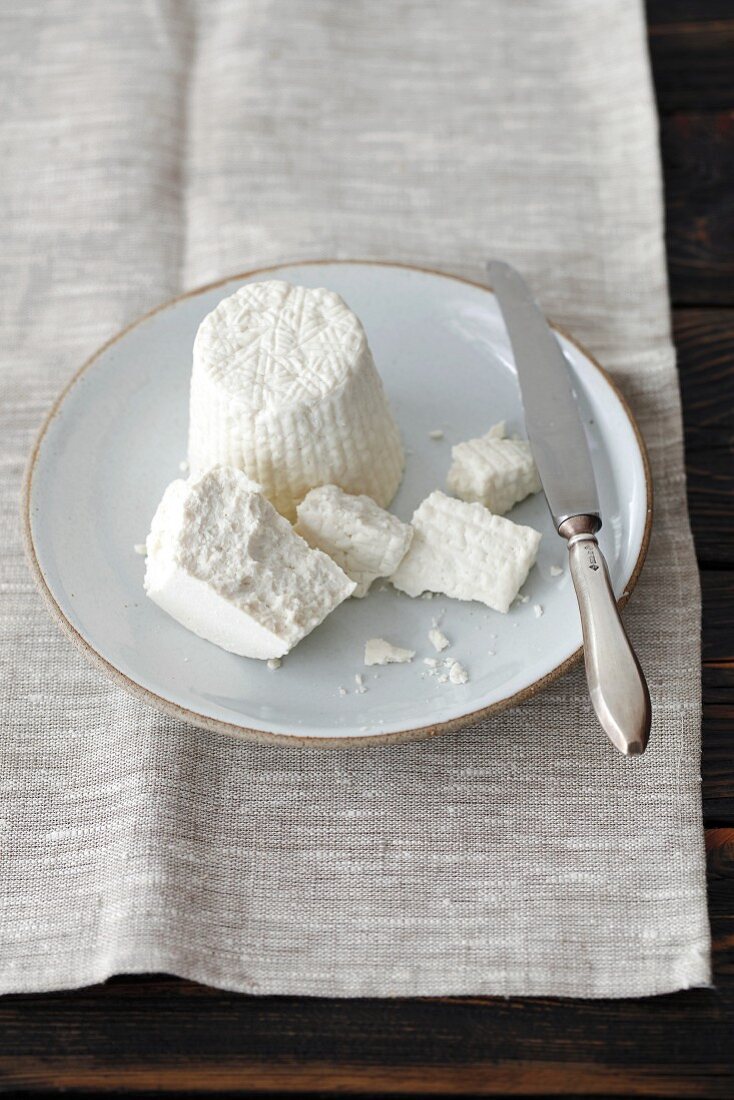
<point>284,387</point>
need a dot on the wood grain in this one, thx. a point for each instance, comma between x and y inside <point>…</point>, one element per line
<point>692,58</point>
<point>497,1077</point>
<point>717,589</point>
<point>686,13</point>
<point>704,341</point>
<point>698,155</point>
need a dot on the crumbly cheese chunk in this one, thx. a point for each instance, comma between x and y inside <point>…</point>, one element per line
<point>284,387</point>
<point>493,470</point>
<point>227,566</point>
<point>458,674</point>
<point>464,551</point>
<point>379,652</point>
<point>438,639</point>
<point>363,539</point>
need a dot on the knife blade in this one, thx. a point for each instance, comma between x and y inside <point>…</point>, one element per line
<point>556,434</point>
<point>617,686</point>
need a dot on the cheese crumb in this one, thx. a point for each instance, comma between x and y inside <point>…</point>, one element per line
<point>379,652</point>
<point>274,662</point>
<point>140,548</point>
<point>436,434</point>
<point>438,639</point>
<point>537,610</point>
<point>522,599</point>
<point>555,571</point>
<point>430,661</point>
<point>343,691</point>
<point>183,467</point>
<point>458,674</point>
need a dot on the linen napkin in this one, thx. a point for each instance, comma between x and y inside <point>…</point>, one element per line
<point>148,148</point>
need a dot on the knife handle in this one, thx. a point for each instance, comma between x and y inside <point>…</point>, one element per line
<point>617,686</point>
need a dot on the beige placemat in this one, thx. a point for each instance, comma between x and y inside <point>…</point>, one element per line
<point>151,147</point>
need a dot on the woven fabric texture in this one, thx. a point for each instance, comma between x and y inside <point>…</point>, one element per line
<point>152,146</point>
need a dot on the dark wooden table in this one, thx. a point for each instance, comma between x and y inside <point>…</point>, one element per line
<point>142,1035</point>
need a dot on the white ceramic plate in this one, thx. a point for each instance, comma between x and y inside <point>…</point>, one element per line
<point>115,439</point>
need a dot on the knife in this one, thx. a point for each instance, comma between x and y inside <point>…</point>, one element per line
<point>616,682</point>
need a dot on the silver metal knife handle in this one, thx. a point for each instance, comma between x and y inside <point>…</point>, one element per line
<point>617,686</point>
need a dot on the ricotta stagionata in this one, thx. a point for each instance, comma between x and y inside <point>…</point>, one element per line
<point>464,551</point>
<point>493,470</point>
<point>226,565</point>
<point>285,388</point>
<point>363,539</point>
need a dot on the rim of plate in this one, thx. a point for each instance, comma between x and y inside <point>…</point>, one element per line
<point>244,733</point>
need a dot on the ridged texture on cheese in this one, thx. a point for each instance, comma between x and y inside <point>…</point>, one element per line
<point>285,388</point>
<point>493,470</point>
<point>363,539</point>
<point>464,551</point>
<point>226,565</point>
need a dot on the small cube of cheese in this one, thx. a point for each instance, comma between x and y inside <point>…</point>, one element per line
<point>226,565</point>
<point>465,551</point>
<point>493,470</point>
<point>363,539</point>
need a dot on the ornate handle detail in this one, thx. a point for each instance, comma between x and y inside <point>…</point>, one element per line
<point>617,686</point>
